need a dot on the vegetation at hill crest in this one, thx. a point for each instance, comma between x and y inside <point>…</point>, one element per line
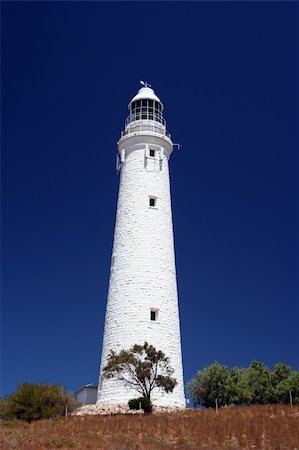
<point>239,386</point>
<point>36,401</point>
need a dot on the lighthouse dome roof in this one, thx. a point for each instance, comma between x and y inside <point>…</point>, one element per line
<point>146,93</point>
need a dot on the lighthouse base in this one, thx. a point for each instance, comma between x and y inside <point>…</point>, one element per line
<point>107,409</point>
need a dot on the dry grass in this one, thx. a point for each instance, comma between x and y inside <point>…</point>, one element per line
<point>259,427</point>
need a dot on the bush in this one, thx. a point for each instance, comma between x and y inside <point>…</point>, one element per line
<point>36,401</point>
<point>144,402</point>
<point>210,384</point>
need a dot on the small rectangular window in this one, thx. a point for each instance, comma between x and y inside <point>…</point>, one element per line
<point>152,201</point>
<point>152,153</point>
<point>154,315</point>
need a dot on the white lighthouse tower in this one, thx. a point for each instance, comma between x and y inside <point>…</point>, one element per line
<point>142,300</point>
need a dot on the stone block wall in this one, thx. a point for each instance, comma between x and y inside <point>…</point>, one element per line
<point>143,273</point>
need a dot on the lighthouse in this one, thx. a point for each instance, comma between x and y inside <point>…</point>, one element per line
<point>142,298</point>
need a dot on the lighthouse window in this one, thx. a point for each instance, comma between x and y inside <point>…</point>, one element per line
<point>152,153</point>
<point>158,106</point>
<point>154,315</point>
<point>152,201</point>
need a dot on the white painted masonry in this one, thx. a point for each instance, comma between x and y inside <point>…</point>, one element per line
<point>143,273</point>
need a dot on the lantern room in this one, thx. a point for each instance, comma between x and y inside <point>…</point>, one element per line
<point>146,109</point>
<point>145,113</point>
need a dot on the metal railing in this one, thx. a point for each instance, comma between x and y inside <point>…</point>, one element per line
<point>145,126</point>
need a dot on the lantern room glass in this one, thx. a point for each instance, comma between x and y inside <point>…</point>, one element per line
<point>145,109</point>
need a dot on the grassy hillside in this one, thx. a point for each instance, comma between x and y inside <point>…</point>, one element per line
<point>258,427</point>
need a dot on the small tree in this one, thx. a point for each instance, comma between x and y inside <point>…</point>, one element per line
<point>36,401</point>
<point>280,373</point>
<point>238,391</point>
<point>142,368</point>
<point>287,385</point>
<point>259,383</point>
<point>210,384</point>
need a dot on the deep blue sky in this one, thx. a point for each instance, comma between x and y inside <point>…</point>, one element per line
<point>226,73</point>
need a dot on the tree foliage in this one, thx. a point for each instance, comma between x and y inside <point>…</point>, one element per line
<point>237,390</point>
<point>142,368</point>
<point>289,384</point>
<point>259,383</point>
<point>279,380</point>
<point>210,384</point>
<point>253,385</point>
<point>36,401</point>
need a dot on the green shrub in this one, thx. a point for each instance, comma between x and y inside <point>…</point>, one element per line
<point>36,401</point>
<point>144,402</point>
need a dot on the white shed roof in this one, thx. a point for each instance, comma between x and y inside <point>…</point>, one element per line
<point>86,386</point>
